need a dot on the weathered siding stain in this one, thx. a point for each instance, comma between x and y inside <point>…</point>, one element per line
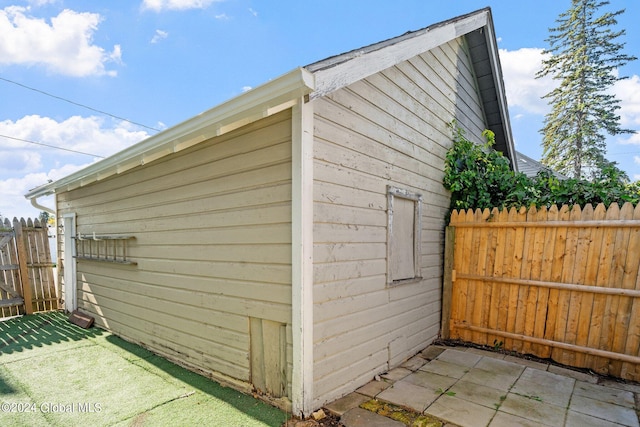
<point>389,129</point>
<point>212,228</point>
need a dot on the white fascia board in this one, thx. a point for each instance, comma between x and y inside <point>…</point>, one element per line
<point>501,92</point>
<point>363,64</point>
<point>253,105</point>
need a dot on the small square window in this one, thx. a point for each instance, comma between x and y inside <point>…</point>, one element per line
<point>403,236</point>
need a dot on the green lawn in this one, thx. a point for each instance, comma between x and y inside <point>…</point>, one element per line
<point>53,373</point>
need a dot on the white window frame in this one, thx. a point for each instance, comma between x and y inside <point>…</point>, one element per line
<point>392,194</point>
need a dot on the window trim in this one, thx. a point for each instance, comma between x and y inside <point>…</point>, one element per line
<point>392,193</point>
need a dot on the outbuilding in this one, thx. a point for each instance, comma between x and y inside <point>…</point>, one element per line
<point>289,241</point>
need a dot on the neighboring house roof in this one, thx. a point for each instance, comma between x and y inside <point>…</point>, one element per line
<point>531,167</point>
<point>317,80</point>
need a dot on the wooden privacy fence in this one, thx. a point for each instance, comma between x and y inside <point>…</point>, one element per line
<point>26,270</point>
<point>556,283</point>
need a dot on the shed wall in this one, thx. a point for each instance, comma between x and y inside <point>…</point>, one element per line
<point>389,129</point>
<point>212,228</point>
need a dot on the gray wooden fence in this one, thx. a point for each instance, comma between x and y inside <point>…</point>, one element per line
<point>26,271</point>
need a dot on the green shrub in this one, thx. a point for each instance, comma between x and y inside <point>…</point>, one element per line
<point>480,177</point>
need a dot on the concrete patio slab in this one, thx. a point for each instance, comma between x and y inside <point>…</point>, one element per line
<point>526,362</point>
<point>482,395</point>
<point>359,417</point>
<point>605,394</point>
<point>472,388</point>
<point>409,395</point>
<point>414,363</point>
<point>580,376</point>
<point>432,352</point>
<point>485,353</point>
<point>434,382</point>
<point>576,419</point>
<point>396,374</point>
<point>373,388</point>
<point>448,369</point>
<point>549,387</point>
<point>491,379</point>
<point>534,410</point>
<point>458,357</point>
<point>460,412</point>
<point>613,383</point>
<point>342,405</point>
<point>606,411</point>
<point>498,366</point>
<point>502,419</point>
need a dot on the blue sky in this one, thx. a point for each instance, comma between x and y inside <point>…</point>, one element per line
<point>160,62</point>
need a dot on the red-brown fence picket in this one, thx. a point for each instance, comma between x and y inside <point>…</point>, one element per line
<point>557,283</point>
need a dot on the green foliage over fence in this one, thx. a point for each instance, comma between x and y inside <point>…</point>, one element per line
<point>480,177</point>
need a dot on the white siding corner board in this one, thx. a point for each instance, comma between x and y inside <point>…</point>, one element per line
<point>302,258</point>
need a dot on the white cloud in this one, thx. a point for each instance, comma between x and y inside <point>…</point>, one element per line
<point>13,202</point>
<point>20,161</point>
<point>246,88</point>
<point>85,134</point>
<point>222,17</point>
<point>160,5</point>
<point>525,91</point>
<point>38,3</point>
<point>24,166</point>
<point>633,139</point>
<point>65,46</point>
<point>62,171</point>
<point>115,56</point>
<point>253,12</point>
<point>519,69</point>
<point>159,35</point>
<point>628,92</point>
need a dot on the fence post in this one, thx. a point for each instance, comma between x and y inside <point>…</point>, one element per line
<point>24,271</point>
<point>447,280</point>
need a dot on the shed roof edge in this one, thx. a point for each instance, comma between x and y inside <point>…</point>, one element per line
<point>250,106</point>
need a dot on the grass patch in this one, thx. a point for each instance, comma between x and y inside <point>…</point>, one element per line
<point>72,376</point>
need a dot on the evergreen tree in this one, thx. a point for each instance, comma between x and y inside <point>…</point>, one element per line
<point>44,217</point>
<point>585,58</point>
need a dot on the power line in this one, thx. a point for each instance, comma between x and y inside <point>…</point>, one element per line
<point>77,103</point>
<point>51,146</point>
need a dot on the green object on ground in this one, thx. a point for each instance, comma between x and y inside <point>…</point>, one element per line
<point>53,373</point>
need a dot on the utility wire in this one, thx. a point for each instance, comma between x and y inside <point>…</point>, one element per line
<point>78,104</point>
<point>51,146</point>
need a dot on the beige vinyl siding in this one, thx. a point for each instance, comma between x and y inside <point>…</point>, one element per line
<point>389,129</point>
<point>212,228</point>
